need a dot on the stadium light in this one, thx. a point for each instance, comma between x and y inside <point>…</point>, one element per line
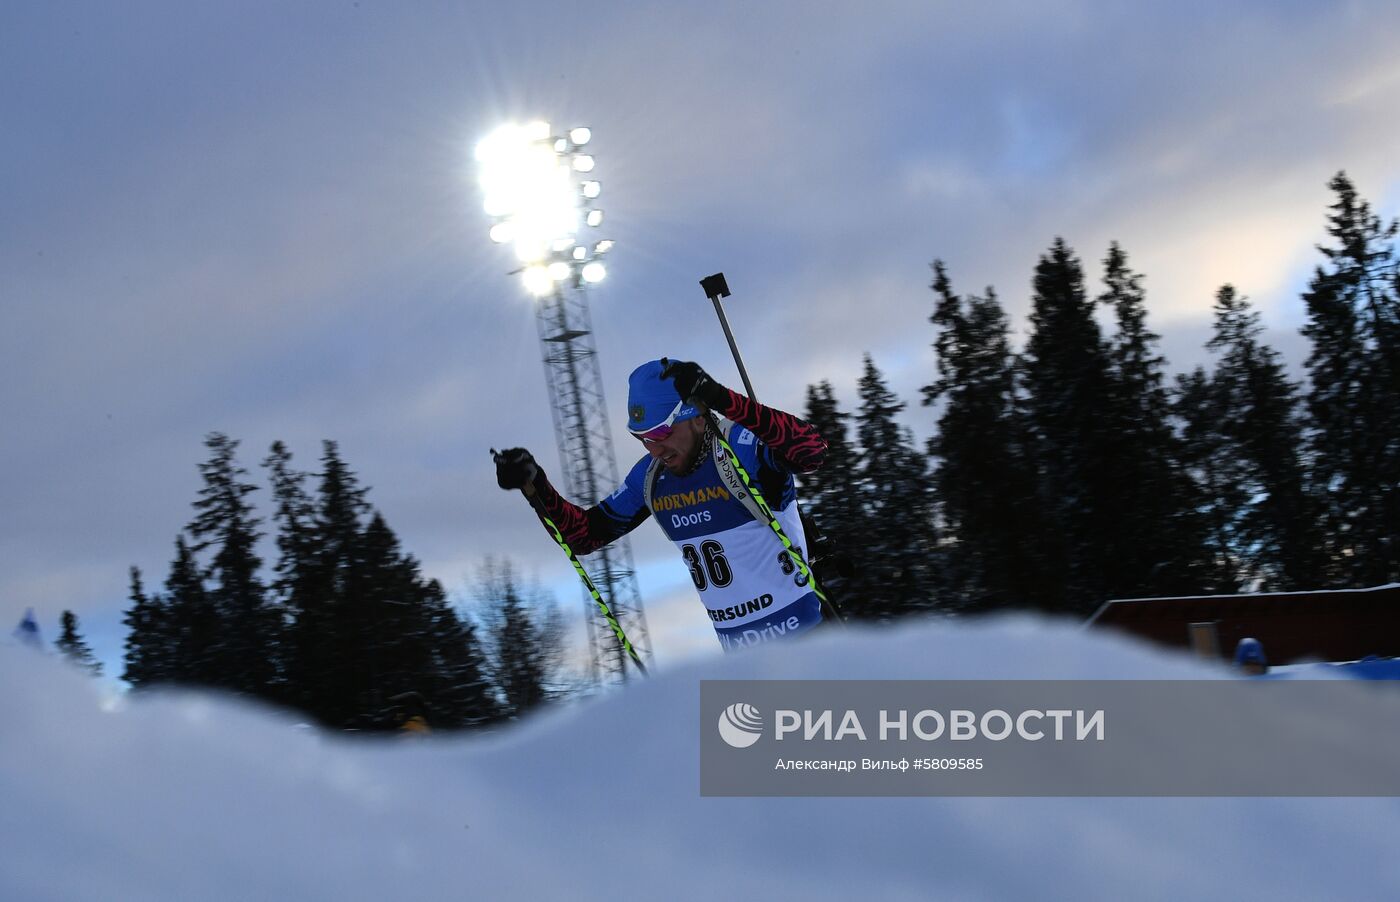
<point>532,190</point>
<point>537,280</point>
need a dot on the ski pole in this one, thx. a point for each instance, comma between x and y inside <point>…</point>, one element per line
<point>583,575</point>
<point>829,609</point>
<point>715,287</point>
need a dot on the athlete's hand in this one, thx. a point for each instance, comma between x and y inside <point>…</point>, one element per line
<point>515,468</point>
<point>694,384</point>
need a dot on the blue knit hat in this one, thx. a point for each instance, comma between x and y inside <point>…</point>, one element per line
<point>653,401</point>
<point>1250,651</point>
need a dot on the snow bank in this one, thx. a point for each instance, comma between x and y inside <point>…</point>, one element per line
<point>192,797</point>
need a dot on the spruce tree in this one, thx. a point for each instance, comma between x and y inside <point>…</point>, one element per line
<point>364,626</point>
<point>1256,413</point>
<point>1067,404</point>
<point>1353,400</point>
<point>524,641</point>
<point>249,628</point>
<point>1133,347</point>
<point>326,645</point>
<point>519,670</point>
<point>149,645</point>
<point>294,515</point>
<point>1215,477</point>
<point>295,585</point>
<point>1156,543</point>
<point>982,481</point>
<point>459,689</point>
<point>192,622</point>
<point>396,639</point>
<point>829,494</point>
<point>896,570</point>
<point>71,645</point>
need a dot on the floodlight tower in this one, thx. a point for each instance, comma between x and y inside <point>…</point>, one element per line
<point>541,196</point>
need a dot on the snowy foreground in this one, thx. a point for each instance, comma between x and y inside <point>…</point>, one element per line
<point>189,797</point>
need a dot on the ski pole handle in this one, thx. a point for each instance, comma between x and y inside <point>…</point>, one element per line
<point>516,465</point>
<point>715,287</point>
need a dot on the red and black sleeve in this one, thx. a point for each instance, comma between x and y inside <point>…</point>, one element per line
<point>795,441</point>
<point>586,530</point>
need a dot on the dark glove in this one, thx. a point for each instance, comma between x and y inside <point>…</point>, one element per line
<point>515,468</point>
<point>694,384</point>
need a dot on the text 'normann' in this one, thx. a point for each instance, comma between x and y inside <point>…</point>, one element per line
<point>958,725</point>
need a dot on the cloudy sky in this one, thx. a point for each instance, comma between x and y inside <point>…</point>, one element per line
<point>262,219</point>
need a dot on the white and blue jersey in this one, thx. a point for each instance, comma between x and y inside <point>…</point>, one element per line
<point>751,588</point>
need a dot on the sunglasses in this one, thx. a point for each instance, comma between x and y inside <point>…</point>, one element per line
<point>662,431</point>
